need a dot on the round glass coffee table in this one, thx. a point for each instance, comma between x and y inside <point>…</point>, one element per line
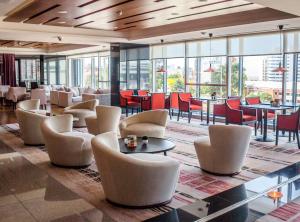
<point>155,145</point>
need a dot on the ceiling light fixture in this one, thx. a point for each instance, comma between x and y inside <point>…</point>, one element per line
<point>62,12</point>
<point>120,12</point>
<point>161,69</point>
<point>210,69</point>
<point>280,69</point>
<point>62,22</point>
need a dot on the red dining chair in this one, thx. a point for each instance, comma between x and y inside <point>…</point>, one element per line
<point>155,101</point>
<point>126,101</point>
<point>289,123</point>
<point>219,110</point>
<point>235,114</point>
<point>271,113</point>
<point>142,92</point>
<point>171,103</point>
<point>189,105</point>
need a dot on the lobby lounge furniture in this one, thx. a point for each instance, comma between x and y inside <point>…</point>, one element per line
<point>155,101</point>
<point>127,102</point>
<point>236,114</point>
<point>39,94</point>
<point>224,151</point>
<point>65,147</point>
<point>54,97</point>
<point>107,119</point>
<point>66,99</point>
<point>171,103</point>
<point>103,96</point>
<point>288,123</point>
<point>219,111</point>
<point>271,114</point>
<point>3,92</point>
<point>81,111</point>
<point>29,123</point>
<point>134,180</point>
<point>142,92</point>
<point>16,94</point>
<point>29,105</point>
<point>149,123</point>
<point>189,105</point>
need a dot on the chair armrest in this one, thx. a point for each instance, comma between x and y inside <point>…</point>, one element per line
<point>234,116</point>
<point>184,105</point>
<point>64,98</point>
<point>248,111</point>
<point>196,102</point>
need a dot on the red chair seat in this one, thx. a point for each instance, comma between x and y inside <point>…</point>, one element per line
<point>247,118</point>
<point>133,103</point>
<point>195,107</point>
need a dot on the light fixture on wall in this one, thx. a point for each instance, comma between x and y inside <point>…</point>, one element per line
<point>280,69</point>
<point>161,69</point>
<point>210,68</point>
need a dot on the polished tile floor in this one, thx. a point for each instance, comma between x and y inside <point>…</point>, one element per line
<point>29,194</point>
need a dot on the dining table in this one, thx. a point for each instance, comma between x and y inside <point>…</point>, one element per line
<point>265,109</point>
<point>208,101</point>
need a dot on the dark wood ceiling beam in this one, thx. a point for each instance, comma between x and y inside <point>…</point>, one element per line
<point>239,18</point>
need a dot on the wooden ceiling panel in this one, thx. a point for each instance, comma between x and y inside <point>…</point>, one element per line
<point>47,46</point>
<point>129,15</point>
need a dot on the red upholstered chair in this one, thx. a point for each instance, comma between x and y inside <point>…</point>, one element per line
<point>219,110</point>
<point>156,101</point>
<point>271,113</point>
<point>289,123</point>
<point>126,101</point>
<point>189,105</point>
<point>235,114</point>
<point>142,92</point>
<point>172,103</point>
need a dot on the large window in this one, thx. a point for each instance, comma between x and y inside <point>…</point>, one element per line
<point>55,72</point>
<point>145,75</point>
<point>175,75</point>
<point>260,78</point>
<point>192,77</point>
<point>29,70</point>
<point>132,77</point>
<point>213,81</point>
<point>234,75</point>
<point>158,75</point>
<point>104,77</point>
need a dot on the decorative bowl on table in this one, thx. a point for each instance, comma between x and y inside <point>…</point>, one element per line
<point>145,140</point>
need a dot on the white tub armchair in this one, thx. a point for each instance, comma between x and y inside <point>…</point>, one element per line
<point>149,123</point>
<point>107,119</point>
<point>224,152</point>
<point>137,180</point>
<point>66,148</point>
<point>81,111</point>
<point>30,126</point>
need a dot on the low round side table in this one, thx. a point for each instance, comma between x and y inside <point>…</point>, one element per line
<point>155,145</point>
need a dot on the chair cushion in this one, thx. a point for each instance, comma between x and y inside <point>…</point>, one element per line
<point>145,129</point>
<point>77,99</point>
<point>133,103</point>
<point>195,107</point>
<point>86,136</point>
<point>247,118</point>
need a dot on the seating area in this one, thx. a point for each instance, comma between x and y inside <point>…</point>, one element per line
<point>127,111</point>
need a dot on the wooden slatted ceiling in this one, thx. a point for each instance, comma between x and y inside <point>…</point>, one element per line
<point>38,45</point>
<point>119,14</point>
<point>126,15</point>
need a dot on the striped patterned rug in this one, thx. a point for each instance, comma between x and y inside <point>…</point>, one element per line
<point>193,184</point>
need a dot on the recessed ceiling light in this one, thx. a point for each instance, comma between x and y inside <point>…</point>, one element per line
<point>63,12</point>
<point>116,27</point>
<point>62,22</point>
<point>120,12</point>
